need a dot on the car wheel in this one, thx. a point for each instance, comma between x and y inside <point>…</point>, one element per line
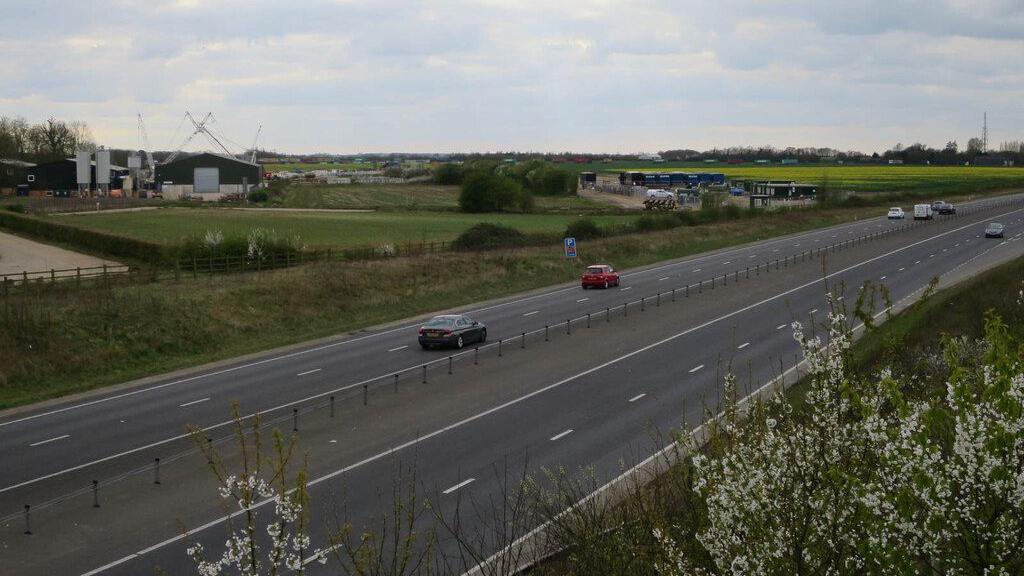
<point>459,343</point>
<point>605,284</point>
<point>483,335</point>
<point>425,346</point>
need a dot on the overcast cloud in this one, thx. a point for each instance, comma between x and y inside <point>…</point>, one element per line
<point>446,76</point>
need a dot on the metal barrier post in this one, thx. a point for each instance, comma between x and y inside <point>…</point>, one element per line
<point>476,355</point>
<point>643,302</point>
<point>332,406</point>
<point>424,373</point>
<point>522,341</point>
<point>28,526</point>
<point>95,494</point>
<point>588,319</point>
<point>625,310</point>
<point>449,365</point>
<point>658,301</point>
<point>607,315</point>
<point>396,382</point>
<point>295,419</point>
<point>546,333</point>
<point>499,348</point>
<point>568,327</point>
<point>156,471</point>
<point>365,394</point>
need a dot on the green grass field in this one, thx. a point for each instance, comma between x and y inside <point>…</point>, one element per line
<point>317,229</point>
<point>433,197</point>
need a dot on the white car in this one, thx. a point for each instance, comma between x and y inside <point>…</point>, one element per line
<point>654,193</point>
<point>896,213</point>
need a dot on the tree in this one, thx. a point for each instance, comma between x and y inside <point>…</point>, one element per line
<point>975,145</point>
<point>488,192</point>
<point>448,173</point>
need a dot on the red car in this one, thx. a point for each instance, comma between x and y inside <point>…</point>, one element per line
<point>600,275</point>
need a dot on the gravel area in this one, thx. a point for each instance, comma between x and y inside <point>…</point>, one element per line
<point>19,255</point>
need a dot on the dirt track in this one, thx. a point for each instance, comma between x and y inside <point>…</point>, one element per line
<point>19,255</point>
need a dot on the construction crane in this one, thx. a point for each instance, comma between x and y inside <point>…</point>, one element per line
<point>252,159</point>
<point>202,128</point>
<point>199,127</point>
<point>145,143</point>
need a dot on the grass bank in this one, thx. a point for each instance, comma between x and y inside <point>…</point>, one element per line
<point>58,343</point>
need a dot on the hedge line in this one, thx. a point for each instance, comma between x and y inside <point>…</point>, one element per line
<point>109,244</point>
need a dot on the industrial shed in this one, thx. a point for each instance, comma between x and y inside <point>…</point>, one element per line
<point>60,177</point>
<point>12,173</point>
<point>206,176</point>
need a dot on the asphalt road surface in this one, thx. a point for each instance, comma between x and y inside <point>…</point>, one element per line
<point>594,393</point>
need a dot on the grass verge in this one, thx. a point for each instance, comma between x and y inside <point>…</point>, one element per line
<point>66,341</point>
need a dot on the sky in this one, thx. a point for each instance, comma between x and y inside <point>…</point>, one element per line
<point>497,75</point>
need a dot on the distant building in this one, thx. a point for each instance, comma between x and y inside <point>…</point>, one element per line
<point>60,177</point>
<point>895,161</point>
<point>12,173</point>
<point>993,161</point>
<point>206,176</point>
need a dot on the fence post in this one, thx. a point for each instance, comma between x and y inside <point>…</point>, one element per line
<point>643,301</point>
<point>476,354</point>
<point>607,314</point>
<point>396,381</point>
<point>78,276</point>
<point>546,333</point>
<point>156,471</point>
<point>366,393</point>
<point>522,341</point>
<point>424,373</point>
<point>295,419</point>
<point>449,365</point>
<point>499,348</point>
<point>332,406</point>
<point>95,494</point>
<point>588,319</point>
<point>195,267</point>
<point>625,310</point>
<point>568,327</point>
<point>28,526</point>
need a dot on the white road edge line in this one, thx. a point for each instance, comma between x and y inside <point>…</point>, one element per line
<point>561,435</point>
<point>314,370</point>
<point>780,326</point>
<point>459,485</point>
<point>194,402</point>
<point>637,397</point>
<point>399,348</point>
<point>41,442</point>
<point>695,368</point>
<point>742,346</point>
<point>813,311</point>
<point>514,401</point>
<point>531,313</point>
<point>582,300</point>
<point>663,279</point>
<point>626,288</point>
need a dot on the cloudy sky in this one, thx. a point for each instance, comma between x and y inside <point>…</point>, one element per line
<point>381,75</point>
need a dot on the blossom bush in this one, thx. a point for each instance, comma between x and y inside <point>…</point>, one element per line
<point>866,477</point>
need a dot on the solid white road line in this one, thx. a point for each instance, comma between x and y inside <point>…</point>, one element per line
<point>41,442</point>
<point>582,300</point>
<point>696,269</point>
<point>423,438</point>
<point>742,346</point>
<point>753,256</point>
<point>813,311</point>
<point>917,261</point>
<point>726,263</point>
<point>399,348</point>
<point>637,397</point>
<point>901,269</point>
<point>626,288</point>
<point>459,485</point>
<point>308,372</point>
<point>780,326</point>
<point>882,278</point>
<point>531,313</point>
<point>194,402</point>
<point>663,279</point>
<point>561,435</point>
<point>696,368</point>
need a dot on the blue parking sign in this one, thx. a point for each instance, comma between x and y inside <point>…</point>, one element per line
<point>570,247</point>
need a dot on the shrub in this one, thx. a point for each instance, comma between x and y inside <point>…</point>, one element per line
<point>19,208</point>
<point>258,196</point>
<point>450,174</point>
<point>109,244</point>
<point>486,235</point>
<point>486,192</point>
<point>652,222</point>
<point>732,212</point>
<point>583,229</point>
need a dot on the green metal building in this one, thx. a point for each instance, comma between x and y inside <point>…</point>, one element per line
<point>207,176</point>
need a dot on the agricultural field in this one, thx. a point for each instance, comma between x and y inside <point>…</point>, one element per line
<point>434,197</point>
<point>898,179</point>
<point>317,229</point>
<point>319,166</point>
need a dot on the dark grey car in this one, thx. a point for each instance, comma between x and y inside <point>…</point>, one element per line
<point>994,230</point>
<point>455,330</point>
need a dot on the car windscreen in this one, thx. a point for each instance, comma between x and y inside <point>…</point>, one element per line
<point>595,270</point>
<point>440,322</point>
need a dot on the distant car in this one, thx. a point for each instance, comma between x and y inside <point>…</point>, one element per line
<point>451,330</point>
<point>896,213</point>
<point>922,212</point>
<point>654,194</point>
<point>994,230</point>
<point>599,275</point>
<point>942,207</point>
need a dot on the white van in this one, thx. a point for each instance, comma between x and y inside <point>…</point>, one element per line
<point>922,211</point>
